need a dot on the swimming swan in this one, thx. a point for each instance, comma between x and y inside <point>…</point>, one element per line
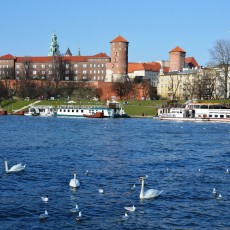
<point>150,193</point>
<point>45,198</point>
<point>44,215</point>
<point>79,217</point>
<point>75,209</point>
<point>130,209</point>
<point>74,183</point>
<point>15,168</point>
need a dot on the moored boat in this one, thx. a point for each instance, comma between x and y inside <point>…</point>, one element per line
<point>3,112</point>
<point>20,112</point>
<point>111,110</point>
<point>194,111</point>
<point>40,110</point>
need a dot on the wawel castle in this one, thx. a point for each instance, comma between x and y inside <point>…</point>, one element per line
<point>98,68</point>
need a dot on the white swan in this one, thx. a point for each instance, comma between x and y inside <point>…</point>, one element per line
<point>76,209</point>
<point>15,168</point>
<point>74,182</point>
<point>101,190</point>
<point>79,217</point>
<point>150,193</point>
<point>214,191</point>
<point>133,188</point>
<point>125,217</point>
<point>44,215</point>
<point>130,209</point>
<point>45,198</point>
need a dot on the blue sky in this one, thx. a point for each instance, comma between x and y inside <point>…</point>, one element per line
<point>152,27</point>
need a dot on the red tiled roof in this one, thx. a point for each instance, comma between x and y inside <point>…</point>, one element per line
<point>193,61</point>
<point>7,56</point>
<point>70,58</point>
<point>166,69</point>
<point>177,49</point>
<point>101,55</point>
<point>119,39</point>
<point>149,66</point>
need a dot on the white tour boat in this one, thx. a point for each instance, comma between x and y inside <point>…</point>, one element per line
<point>112,110</point>
<point>194,111</point>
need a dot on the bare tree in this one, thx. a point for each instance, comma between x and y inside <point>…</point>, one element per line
<point>220,54</point>
<point>173,86</point>
<point>7,74</point>
<point>149,91</point>
<point>123,87</point>
<point>58,70</point>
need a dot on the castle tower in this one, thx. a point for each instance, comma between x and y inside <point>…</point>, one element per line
<point>68,52</point>
<point>119,58</point>
<point>176,59</point>
<point>54,47</point>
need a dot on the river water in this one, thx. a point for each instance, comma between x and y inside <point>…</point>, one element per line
<point>186,160</point>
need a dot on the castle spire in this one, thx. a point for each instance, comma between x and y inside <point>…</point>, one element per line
<point>78,51</point>
<point>54,47</point>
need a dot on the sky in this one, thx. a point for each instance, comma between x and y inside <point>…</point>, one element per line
<point>151,27</point>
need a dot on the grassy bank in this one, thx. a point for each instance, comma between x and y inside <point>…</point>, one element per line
<point>133,108</point>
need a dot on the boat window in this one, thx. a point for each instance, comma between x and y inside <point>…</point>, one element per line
<point>196,106</point>
<point>204,106</point>
<point>73,111</point>
<point>82,110</point>
<point>221,116</point>
<point>64,110</point>
<point>210,115</point>
<point>68,110</point>
<point>76,110</point>
<point>216,115</point>
<point>228,116</point>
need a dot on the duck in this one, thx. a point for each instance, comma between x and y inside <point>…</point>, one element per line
<point>15,168</point>
<point>130,209</point>
<point>75,209</point>
<point>227,171</point>
<point>45,198</point>
<point>150,193</point>
<point>79,217</point>
<point>44,215</point>
<point>74,183</point>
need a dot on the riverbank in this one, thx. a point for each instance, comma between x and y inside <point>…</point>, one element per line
<point>134,108</point>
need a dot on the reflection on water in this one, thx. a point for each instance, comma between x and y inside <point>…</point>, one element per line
<point>186,160</point>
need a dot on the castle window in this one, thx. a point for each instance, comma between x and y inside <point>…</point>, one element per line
<point>43,72</point>
<point>43,66</point>
<point>84,65</point>
<point>34,72</point>
<point>67,65</point>
<point>75,65</point>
